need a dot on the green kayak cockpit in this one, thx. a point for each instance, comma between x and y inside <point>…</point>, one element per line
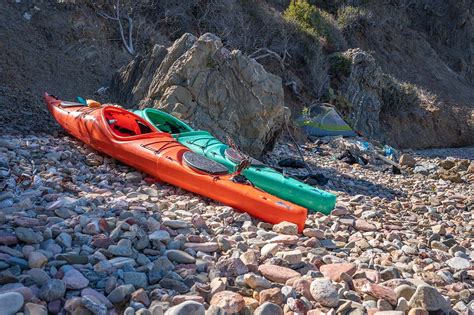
<point>164,122</point>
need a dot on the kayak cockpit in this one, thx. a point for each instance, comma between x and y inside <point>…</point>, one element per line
<point>165,122</point>
<point>125,124</point>
<point>203,164</point>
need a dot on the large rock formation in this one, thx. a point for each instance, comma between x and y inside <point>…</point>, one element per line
<point>200,81</point>
<point>401,114</point>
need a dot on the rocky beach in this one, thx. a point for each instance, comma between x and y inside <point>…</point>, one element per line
<point>82,233</point>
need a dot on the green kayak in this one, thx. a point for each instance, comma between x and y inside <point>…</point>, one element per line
<point>263,177</point>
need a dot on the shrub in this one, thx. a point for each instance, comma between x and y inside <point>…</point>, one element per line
<point>349,16</point>
<point>315,22</point>
<point>339,64</point>
<point>397,96</point>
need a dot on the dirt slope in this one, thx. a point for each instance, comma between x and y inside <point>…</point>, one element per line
<point>67,51</point>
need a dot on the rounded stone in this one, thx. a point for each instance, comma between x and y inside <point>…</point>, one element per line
<point>277,273</point>
<point>229,301</point>
<point>37,260</point>
<point>428,298</point>
<point>53,289</point>
<point>11,302</point>
<point>268,308</point>
<point>180,256</point>
<point>187,308</point>
<point>35,309</point>
<point>324,292</point>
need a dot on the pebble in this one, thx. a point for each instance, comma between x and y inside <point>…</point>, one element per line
<point>187,308</point>
<point>121,293</point>
<point>160,235</point>
<point>231,267</point>
<point>94,305</point>
<point>37,260</point>
<point>74,279</point>
<point>268,308</point>
<point>28,236</point>
<point>277,273</point>
<point>334,271</point>
<point>380,292</point>
<point>137,279</point>
<point>273,295</point>
<point>207,247</point>
<point>52,290</point>
<point>324,292</point>
<point>180,256</point>
<point>428,298</point>
<point>11,302</point>
<point>286,228</point>
<point>255,281</point>
<point>406,291</point>
<point>229,301</point>
<point>458,263</point>
<point>35,309</point>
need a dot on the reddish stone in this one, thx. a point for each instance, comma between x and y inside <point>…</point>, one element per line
<point>195,239</point>
<point>372,311</point>
<point>8,238</point>
<point>362,225</point>
<point>277,273</point>
<point>101,241</point>
<point>229,301</point>
<point>26,222</point>
<point>271,295</point>
<point>285,239</point>
<point>178,299</point>
<point>359,283</point>
<point>131,221</point>
<point>380,292</point>
<point>140,296</point>
<point>334,271</point>
<point>372,275</point>
<point>104,225</point>
<point>302,287</point>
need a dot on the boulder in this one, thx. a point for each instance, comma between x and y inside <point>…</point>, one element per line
<point>209,86</point>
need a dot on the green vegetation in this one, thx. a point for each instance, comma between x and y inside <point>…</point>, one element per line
<point>339,64</point>
<point>315,22</point>
<point>399,96</point>
<point>349,15</point>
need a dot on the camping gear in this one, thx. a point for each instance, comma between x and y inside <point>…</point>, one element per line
<point>323,120</point>
<point>132,140</point>
<point>263,177</point>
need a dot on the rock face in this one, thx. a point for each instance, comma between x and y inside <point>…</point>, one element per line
<point>391,111</point>
<point>198,80</point>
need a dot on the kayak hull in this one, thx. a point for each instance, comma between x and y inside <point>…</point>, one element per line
<point>161,156</point>
<point>263,177</point>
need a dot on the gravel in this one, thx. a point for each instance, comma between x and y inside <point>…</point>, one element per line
<point>81,232</point>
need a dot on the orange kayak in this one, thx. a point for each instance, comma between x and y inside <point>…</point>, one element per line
<point>132,140</point>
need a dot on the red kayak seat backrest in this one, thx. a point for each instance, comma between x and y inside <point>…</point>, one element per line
<point>125,124</point>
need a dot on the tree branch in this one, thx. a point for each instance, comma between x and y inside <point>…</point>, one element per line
<point>128,45</point>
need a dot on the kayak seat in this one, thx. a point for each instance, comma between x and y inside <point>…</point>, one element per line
<point>237,157</point>
<point>124,123</point>
<point>204,164</point>
<point>168,128</point>
<point>166,122</point>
